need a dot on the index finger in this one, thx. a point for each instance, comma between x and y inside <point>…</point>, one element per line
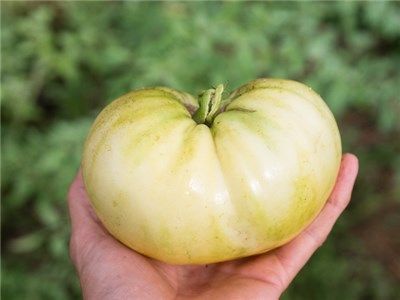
<point>296,253</point>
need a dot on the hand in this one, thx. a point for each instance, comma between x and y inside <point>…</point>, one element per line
<point>109,270</point>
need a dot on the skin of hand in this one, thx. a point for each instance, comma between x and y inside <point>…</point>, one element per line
<point>109,270</point>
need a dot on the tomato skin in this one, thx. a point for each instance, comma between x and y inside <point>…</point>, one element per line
<point>187,193</point>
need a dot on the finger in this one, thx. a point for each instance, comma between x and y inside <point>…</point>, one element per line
<point>295,254</point>
<point>81,213</point>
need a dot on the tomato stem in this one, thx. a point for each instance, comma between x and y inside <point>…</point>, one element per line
<point>209,105</point>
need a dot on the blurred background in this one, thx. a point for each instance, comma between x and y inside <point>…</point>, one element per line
<point>62,62</point>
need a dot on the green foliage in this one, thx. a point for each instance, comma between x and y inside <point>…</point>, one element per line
<point>63,61</point>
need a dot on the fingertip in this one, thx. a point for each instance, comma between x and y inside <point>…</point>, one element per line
<point>76,185</point>
<point>350,158</point>
<point>341,194</point>
<point>78,180</point>
<point>350,164</point>
<point>78,177</point>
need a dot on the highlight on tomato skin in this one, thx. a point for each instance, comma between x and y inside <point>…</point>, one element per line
<point>191,180</point>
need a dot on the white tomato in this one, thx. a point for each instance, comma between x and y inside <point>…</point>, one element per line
<point>190,181</point>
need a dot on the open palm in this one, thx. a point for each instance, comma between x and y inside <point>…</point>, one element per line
<point>109,270</point>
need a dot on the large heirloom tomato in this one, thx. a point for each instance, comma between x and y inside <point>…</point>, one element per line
<point>190,181</point>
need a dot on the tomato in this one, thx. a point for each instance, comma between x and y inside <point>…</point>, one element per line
<point>190,181</point>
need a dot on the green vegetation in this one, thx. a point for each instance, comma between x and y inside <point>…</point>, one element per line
<point>63,61</point>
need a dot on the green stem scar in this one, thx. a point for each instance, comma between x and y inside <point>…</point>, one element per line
<point>209,105</point>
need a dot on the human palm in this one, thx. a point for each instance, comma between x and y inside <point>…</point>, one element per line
<point>109,270</point>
